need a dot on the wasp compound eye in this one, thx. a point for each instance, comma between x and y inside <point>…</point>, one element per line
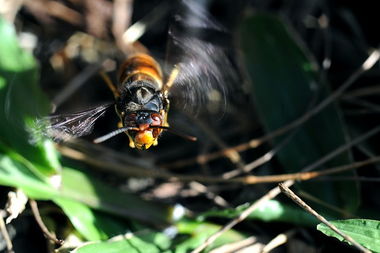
<point>156,119</point>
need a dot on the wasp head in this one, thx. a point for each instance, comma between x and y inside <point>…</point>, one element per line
<point>143,110</point>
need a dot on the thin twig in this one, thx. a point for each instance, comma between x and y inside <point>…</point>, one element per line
<point>122,15</point>
<point>54,9</point>
<point>254,143</point>
<point>320,202</point>
<point>270,154</point>
<point>237,246</point>
<point>126,167</point>
<point>367,91</point>
<point>97,15</point>
<point>135,31</point>
<point>217,199</point>
<point>353,178</point>
<point>367,106</point>
<point>342,148</point>
<point>289,193</point>
<point>45,231</point>
<point>9,9</point>
<point>233,156</point>
<point>275,191</point>
<point>6,237</point>
<point>261,160</point>
<point>303,176</point>
<point>76,83</point>
<point>278,241</point>
<point>270,195</point>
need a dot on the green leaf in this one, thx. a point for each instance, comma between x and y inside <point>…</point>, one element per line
<point>13,58</point>
<point>198,232</point>
<point>363,231</point>
<point>271,210</point>
<point>146,241</point>
<point>22,102</point>
<point>91,224</point>
<point>15,174</point>
<point>78,186</point>
<point>284,83</point>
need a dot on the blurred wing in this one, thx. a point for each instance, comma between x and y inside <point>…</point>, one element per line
<point>199,47</point>
<point>66,126</point>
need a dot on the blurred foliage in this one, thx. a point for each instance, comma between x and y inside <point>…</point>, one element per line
<point>285,84</point>
<point>22,102</point>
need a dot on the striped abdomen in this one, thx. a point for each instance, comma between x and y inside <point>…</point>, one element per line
<point>140,67</point>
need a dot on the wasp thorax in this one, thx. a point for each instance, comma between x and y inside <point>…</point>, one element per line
<point>140,95</point>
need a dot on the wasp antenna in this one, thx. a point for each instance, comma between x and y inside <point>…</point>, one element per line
<point>112,134</point>
<point>170,130</point>
<point>109,83</point>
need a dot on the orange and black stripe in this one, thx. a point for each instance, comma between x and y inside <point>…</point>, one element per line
<point>140,67</point>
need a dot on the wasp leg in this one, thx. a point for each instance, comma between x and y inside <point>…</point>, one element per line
<point>131,142</point>
<point>169,83</point>
<point>110,85</point>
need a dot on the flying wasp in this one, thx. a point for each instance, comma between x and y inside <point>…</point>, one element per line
<point>141,101</point>
<point>198,65</point>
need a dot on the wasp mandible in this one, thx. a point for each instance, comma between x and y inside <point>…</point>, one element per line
<point>199,66</point>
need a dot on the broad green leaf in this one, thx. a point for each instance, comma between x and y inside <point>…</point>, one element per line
<point>363,231</point>
<point>284,84</point>
<point>78,186</point>
<point>13,58</point>
<point>91,224</point>
<point>271,210</point>
<point>198,232</point>
<point>15,174</point>
<point>145,241</point>
<point>21,102</point>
